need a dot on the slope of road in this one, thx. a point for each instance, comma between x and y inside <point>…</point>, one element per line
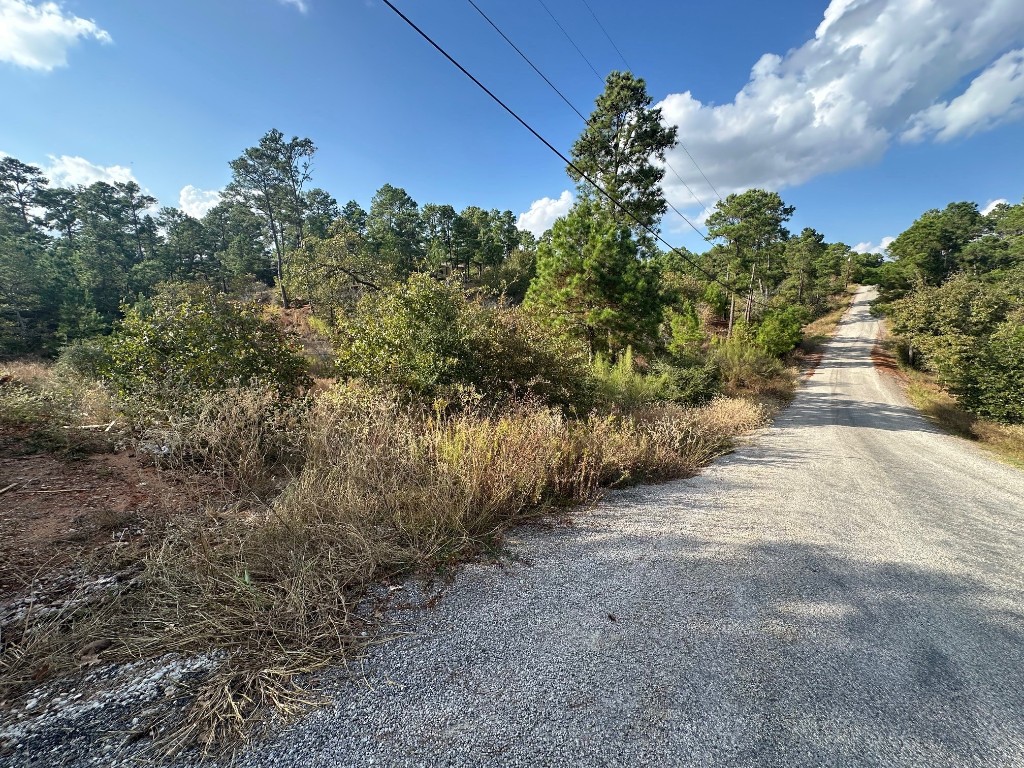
<point>847,589</point>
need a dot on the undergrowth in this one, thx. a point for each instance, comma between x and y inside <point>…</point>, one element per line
<point>365,486</point>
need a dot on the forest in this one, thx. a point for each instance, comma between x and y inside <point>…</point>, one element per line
<point>79,265</point>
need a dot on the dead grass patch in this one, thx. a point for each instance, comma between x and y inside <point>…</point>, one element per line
<point>275,587</point>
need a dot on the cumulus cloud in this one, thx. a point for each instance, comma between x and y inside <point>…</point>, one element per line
<point>299,4</point>
<point>197,202</point>
<point>875,71</point>
<point>39,35</point>
<point>70,171</point>
<point>543,212</point>
<point>881,247</point>
<point>993,97</point>
<point>991,205</point>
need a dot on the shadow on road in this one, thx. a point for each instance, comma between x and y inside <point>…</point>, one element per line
<point>814,409</point>
<point>795,654</point>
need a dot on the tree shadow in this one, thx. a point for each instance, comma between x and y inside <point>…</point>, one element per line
<point>821,409</point>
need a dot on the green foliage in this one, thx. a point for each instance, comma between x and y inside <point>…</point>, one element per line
<point>968,332</point>
<point>781,330</point>
<point>591,285</point>
<point>624,134</point>
<point>621,385</point>
<point>186,341</point>
<point>1000,373</point>
<point>425,337</point>
<point>685,337</point>
<point>743,364</point>
<point>930,249</point>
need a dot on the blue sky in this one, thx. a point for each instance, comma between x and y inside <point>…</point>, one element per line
<point>862,113</point>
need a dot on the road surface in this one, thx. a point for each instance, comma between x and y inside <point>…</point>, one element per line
<point>847,589</point>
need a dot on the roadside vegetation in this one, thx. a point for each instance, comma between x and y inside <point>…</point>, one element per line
<point>953,293</point>
<point>337,398</point>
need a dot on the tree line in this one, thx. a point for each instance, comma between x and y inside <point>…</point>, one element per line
<point>954,292</point>
<point>75,262</point>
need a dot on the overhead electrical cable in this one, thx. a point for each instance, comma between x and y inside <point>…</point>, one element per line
<point>578,112</point>
<point>528,61</point>
<point>515,115</point>
<point>571,41</point>
<point>681,145</point>
<point>594,15</point>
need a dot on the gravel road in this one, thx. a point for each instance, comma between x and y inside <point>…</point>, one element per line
<point>846,589</point>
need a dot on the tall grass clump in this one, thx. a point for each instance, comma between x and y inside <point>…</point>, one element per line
<point>51,408</point>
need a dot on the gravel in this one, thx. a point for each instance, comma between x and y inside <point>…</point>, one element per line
<point>846,589</point>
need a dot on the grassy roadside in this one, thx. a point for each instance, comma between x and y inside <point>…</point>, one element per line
<point>318,505</point>
<point>941,408</point>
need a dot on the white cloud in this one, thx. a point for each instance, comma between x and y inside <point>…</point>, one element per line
<point>991,205</point>
<point>882,247</point>
<point>300,4</point>
<point>69,171</point>
<point>38,35</point>
<point>995,96</point>
<point>875,70</point>
<point>543,212</point>
<point>197,202</point>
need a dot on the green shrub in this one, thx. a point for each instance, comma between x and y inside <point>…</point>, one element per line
<point>690,384</point>
<point>621,385</point>
<point>187,341</point>
<point>781,330</point>
<point>744,365</point>
<point>1000,374</point>
<point>423,336</point>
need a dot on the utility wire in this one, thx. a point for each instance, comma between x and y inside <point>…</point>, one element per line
<point>562,157</point>
<point>607,35</point>
<point>681,145</point>
<point>528,61</point>
<point>573,42</point>
<point>577,111</point>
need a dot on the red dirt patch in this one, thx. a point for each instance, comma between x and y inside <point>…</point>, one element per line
<point>56,512</point>
<point>885,362</point>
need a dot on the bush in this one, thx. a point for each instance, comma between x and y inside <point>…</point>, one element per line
<point>186,341</point>
<point>781,330</point>
<point>690,385</point>
<point>1000,374</point>
<point>425,337</point>
<point>53,409</point>
<point>621,385</point>
<point>745,366</point>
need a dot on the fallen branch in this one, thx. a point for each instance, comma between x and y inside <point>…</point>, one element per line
<point>104,427</point>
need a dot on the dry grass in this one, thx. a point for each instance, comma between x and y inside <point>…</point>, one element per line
<point>47,409</point>
<point>375,488</point>
<point>941,408</point>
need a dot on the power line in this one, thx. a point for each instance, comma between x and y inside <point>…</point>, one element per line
<point>580,114</point>
<point>528,61</point>
<point>607,35</point>
<point>681,145</point>
<point>573,42</point>
<point>562,157</point>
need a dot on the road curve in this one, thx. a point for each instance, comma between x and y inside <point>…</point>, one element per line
<point>847,589</point>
